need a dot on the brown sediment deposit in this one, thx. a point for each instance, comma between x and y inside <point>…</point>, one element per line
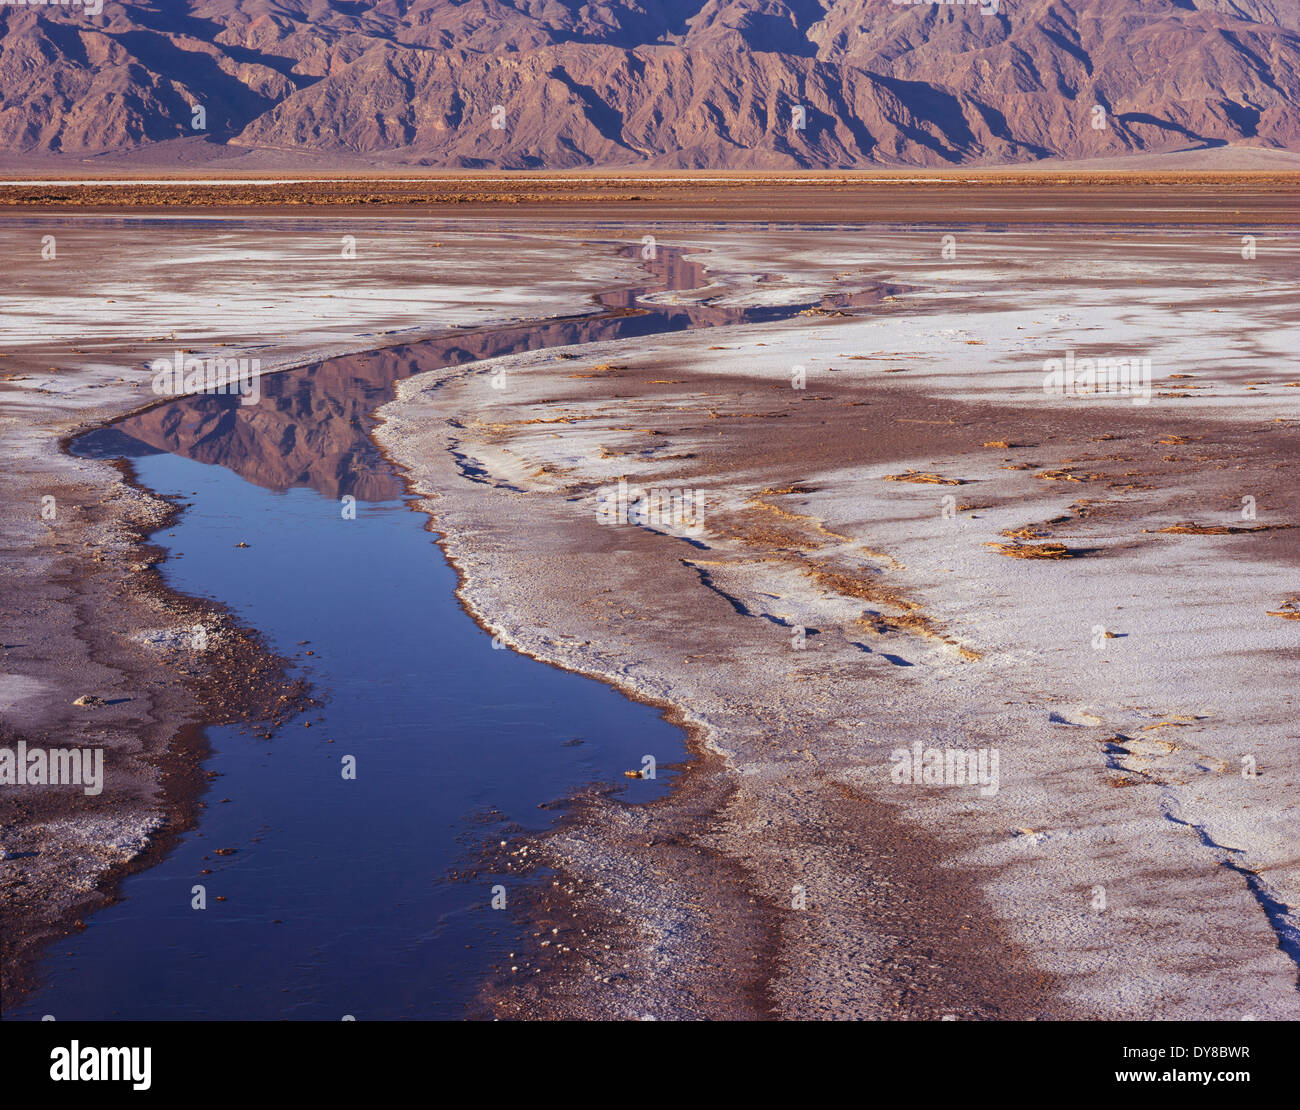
<point>924,478</point>
<point>1066,196</point>
<point>1033,550</point>
<point>1191,528</point>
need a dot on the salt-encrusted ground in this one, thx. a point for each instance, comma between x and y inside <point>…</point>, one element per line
<point>1138,858</point>
<point>1124,866</point>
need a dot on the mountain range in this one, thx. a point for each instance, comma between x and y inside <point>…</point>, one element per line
<point>721,84</point>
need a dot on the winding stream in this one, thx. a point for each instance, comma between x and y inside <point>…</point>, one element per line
<point>352,896</point>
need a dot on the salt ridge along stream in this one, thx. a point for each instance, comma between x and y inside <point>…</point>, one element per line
<point>328,896</point>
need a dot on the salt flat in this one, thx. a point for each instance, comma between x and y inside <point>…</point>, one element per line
<point>842,602</point>
<point>1135,861</point>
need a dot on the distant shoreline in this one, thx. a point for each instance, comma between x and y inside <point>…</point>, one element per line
<point>944,198</point>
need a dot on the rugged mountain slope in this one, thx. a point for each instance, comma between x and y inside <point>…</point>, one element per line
<point>692,83</point>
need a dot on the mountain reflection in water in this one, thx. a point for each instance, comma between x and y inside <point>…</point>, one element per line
<point>311,427</point>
